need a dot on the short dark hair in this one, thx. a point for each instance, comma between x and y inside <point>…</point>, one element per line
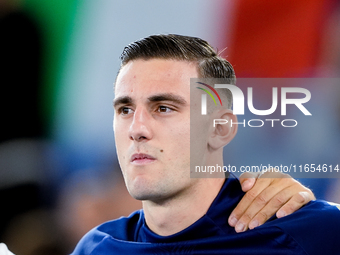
<point>186,48</point>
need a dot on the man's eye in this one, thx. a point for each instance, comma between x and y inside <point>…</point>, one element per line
<point>125,111</point>
<point>164,109</point>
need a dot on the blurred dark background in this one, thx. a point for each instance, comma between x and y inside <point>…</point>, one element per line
<point>59,174</point>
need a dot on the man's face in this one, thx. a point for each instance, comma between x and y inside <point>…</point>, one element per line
<point>152,127</point>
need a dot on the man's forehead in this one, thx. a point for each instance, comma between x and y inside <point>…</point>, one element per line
<point>148,76</point>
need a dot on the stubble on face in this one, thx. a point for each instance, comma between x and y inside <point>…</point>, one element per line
<point>152,127</point>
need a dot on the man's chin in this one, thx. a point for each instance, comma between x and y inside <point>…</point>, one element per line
<point>139,192</point>
<point>143,197</point>
<point>144,194</point>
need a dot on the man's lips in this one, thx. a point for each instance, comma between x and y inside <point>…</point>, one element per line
<point>141,158</point>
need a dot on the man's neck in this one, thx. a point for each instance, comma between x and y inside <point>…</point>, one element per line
<point>174,215</point>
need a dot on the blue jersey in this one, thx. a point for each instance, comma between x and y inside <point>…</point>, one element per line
<point>314,229</point>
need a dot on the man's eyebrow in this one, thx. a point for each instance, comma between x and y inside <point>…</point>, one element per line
<point>167,97</point>
<point>122,100</point>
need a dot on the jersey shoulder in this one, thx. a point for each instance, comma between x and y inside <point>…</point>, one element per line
<point>123,229</point>
<point>315,227</point>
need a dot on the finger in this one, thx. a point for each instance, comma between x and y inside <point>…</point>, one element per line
<point>295,203</point>
<point>273,205</point>
<point>247,180</point>
<point>285,202</point>
<point>247,199</point>
<point>268,188</point>
<point>256,207</point>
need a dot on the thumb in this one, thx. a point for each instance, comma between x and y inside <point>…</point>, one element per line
<point>247,180</point>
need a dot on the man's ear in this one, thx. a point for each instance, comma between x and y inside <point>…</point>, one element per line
<point>224,130</point>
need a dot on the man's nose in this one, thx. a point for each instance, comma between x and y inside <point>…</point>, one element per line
<point>140,127</point>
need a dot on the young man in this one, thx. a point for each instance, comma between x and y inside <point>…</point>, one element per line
<point>183,215</point>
